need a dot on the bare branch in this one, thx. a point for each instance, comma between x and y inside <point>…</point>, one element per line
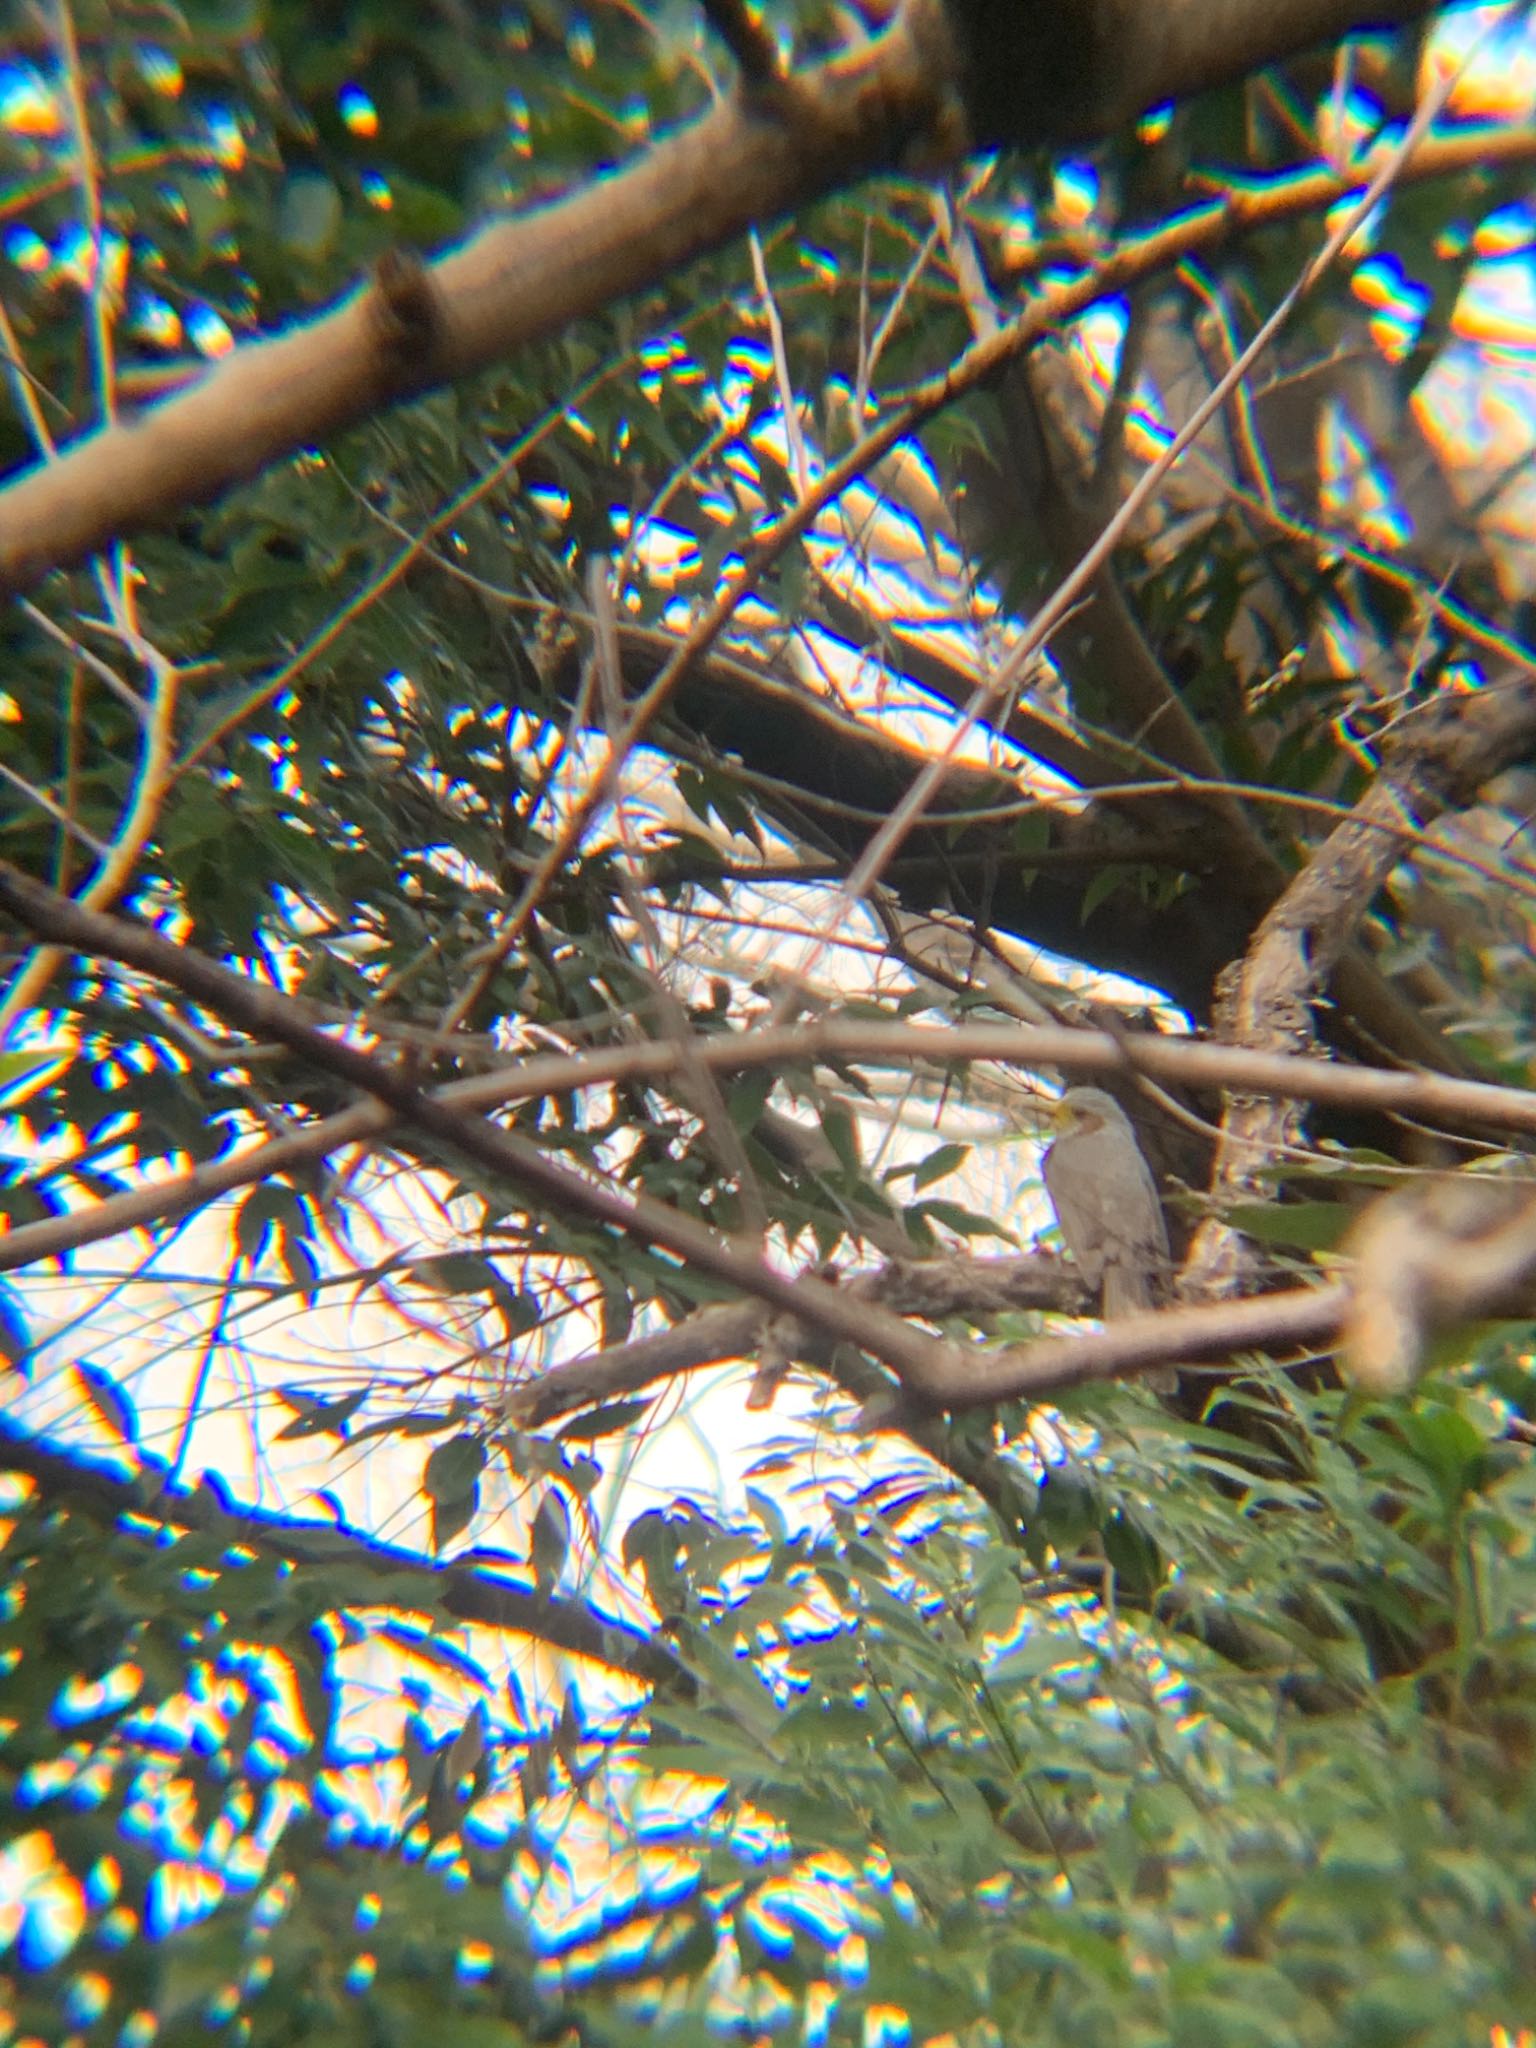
<point>1075,69</point>
<point>1437,758</point>
<point>1302,1318</point>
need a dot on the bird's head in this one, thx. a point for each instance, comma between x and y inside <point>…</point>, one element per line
<point>1082,1110</point>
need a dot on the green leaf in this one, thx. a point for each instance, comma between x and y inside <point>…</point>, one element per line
<point>1308,1226</point>
<point>317,1416</point>
<point>1102,884</point>
<point>549,1540</point>
<point>268,1208</point>
<point>15,1340</point>
<point>23,1070</point>
<point>841,1129</point>
<point>452,1516</point>
<point>110,1402</point>
<point>456,1273</point>
<point>609,1420</point>
<point>452,1471</point>
<point>1039,1653</point>
<point>415,1422</point>
<point>938,1165</point>
<point>309,219</point>
<point>964,1221</point>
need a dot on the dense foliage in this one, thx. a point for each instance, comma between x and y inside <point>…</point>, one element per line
<point>637,1703</point>
<point>1282,1798</point>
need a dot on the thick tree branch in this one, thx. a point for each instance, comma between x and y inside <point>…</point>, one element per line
<point>1061,491</point>
<point>530,276</point>
<point>835,779</point>
<point>413,327</point>
<point>1428,1258</point>
<point>749,42</point>
<point>932,1288</point>
<point>1304,1318</point>
<point>1496,1277</point>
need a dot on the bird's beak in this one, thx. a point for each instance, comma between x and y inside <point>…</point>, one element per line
<point>1047,1117</point>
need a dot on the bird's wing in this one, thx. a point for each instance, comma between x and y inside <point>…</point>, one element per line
<point>1106,1203</point>
<point>1079,1211</point>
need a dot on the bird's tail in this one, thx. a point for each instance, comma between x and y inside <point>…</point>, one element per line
<point>1128,1292</point>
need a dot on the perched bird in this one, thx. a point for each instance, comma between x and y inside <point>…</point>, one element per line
<point>1107,1204</point>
